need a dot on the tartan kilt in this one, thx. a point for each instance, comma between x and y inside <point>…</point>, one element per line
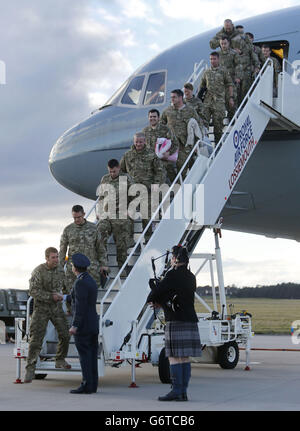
<point>182,339</point>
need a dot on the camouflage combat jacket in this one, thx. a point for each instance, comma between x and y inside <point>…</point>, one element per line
<point>44,282</point>
<point>143,166</point>
<point>215,80</point>
<point>196,104</point>
<point>276,67</point>
<point>178,119</point>
<point>248,57</point>
<point>160,131</point>
<point>258,52</point>
<point>215,41</point>
<point>110,202</point>
<point>83,239</point>
<point>231,61</point>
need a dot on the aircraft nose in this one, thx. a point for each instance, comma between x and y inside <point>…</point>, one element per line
<point>78,159</point>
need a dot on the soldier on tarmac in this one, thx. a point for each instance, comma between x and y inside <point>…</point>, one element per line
<point>113,216</point>
<point>82,236</point>
<point>46,286</point>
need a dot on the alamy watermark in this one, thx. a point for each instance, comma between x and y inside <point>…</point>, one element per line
<point>140,202</point>
<point>2,72</point>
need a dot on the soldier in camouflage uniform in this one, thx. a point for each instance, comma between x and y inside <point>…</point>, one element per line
<point>256,49</point>
<point>266,51</point>
<point>144,167</point>
<point>157,130</point>
<point>228,30</point>
<point>83,237</point>
<point>215,80</point>
<point>249,60</point>
<point>177,117</point>
<point>46,285</point>
<point>230,60</point>
<point>113,217</point>
<point>192,101</point>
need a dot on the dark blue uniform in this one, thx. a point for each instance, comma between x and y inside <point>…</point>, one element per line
<point>86,320</point>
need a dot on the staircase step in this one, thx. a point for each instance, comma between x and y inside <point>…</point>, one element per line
<point>112,260</point>
<point>110,297</point>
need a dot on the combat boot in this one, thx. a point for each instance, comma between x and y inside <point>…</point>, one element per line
<point>61,363</point>
<point>29,375</point>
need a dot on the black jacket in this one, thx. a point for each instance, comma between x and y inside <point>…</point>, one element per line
<point>84,298</point>
<point>181,282</point>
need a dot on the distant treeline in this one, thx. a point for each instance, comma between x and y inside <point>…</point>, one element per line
<point>278,291</point>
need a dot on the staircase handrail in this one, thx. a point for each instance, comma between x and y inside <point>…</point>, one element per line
<point>197,72</point>
<point>240,109</point>
<point>139,242</point>
<point>179,178</point>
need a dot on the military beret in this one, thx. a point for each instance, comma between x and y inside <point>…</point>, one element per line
<point>80,260</point>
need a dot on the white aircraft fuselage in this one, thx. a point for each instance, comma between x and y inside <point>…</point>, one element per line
<point>265,199</point>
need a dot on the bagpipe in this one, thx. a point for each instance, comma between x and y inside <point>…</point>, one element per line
<point>154,283</point>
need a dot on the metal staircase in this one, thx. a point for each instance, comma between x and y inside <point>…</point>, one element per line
<point>204,192</point>
<point>125,319</point>
<point>197,204</point>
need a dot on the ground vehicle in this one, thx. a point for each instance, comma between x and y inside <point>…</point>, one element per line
<point>12,304</point>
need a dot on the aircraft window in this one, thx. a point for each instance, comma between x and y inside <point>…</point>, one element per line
<point>116,96</point>
<point>155,91</point>
<point>133,92</point>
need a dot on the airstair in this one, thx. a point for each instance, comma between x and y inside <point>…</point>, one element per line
<point>128,330</point>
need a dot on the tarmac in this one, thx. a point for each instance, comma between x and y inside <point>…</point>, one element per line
<point>272,384</point>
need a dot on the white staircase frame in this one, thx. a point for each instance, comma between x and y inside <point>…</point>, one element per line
<point>199,68</point>
<point>211,183</point>
<point>130,300</point>
<point>289,92</point>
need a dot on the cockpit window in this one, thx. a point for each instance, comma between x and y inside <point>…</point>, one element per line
<point>116,96</point>
<point>155,91</point>
<point>133,92</point>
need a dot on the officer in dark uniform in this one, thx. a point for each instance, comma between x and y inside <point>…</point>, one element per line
<point>85,324</point>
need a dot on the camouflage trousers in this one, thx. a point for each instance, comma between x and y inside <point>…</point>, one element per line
<point>171,170</point>
<point>216,111</point>
<point>122,231</point>
<point>93,270</point>
<point>245,85</point>
<point>38,325</point>
<point>183,154</point>
<point>231,110</point>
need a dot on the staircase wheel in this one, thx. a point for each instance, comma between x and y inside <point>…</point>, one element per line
<point>228,355</point>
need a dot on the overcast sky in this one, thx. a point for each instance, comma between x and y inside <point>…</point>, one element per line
<point>65,58</point>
